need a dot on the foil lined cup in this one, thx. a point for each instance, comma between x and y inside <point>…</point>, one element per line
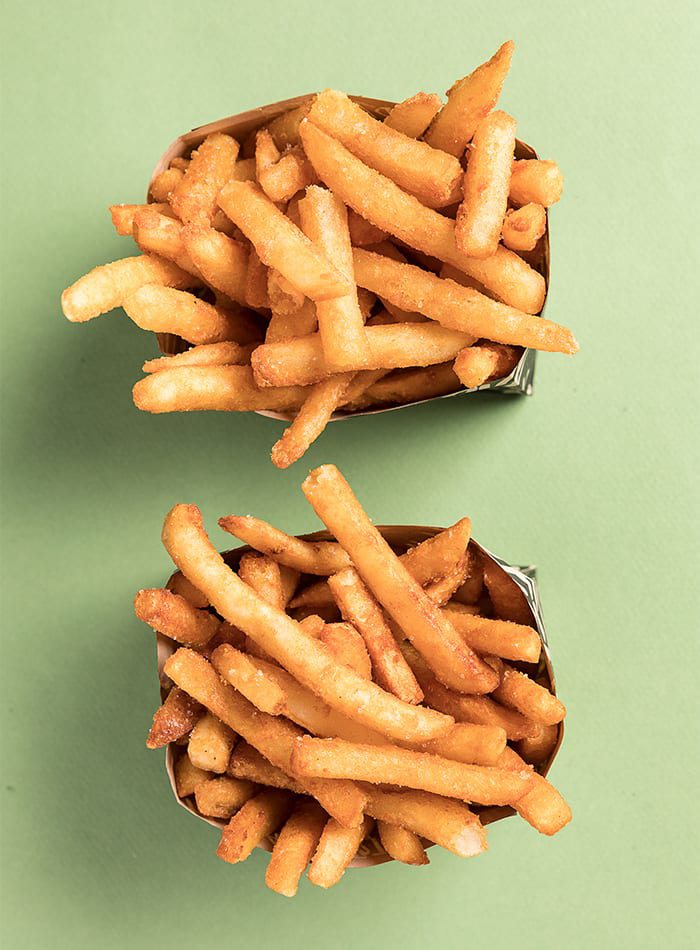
<point>400,537</point>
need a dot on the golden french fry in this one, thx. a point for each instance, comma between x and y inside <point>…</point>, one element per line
<point>401,844</point>
<point>256,282</point>
<point>523,227</point>
<point>280,244</point>
<point>471,743</point>
<point>188,776</point>
<point>433,176</point>
<point>165,310</point>
<point>285,128</point>
<point>180,162</point>
<point>258,818</point>
<point>266,152</point>
<point>502,638</point>
<point>244,170</point>
<point>322,401</point>
<point>247,764</point>
<point>391,583</point>
<point>222,262</point>
<point>179,584</point>
<point>414,115</point>
<point>486,183</point>
<point>528,697</point>
<point>509,602</point>
<point>263,574</point>
<point>242,673</point>
<point>211,166</point>
<point>542,806</point>
<point>441,590</point>
<point>187,543</point>
<point>226,353</point>
<point>468,101</point>
<point>537,181</point>
<point>295,847</point>
<point>175,617</point>
<point>159,234</point>
<point>538,748</point>
<point>173,720</point>
<point>288,176</point>
<point>347,646</point>
<point>361,231</point>
<point>410,385</point>
<point>287,324</point>
<point>164,184</point>
<point>470,591</point>
<point>387,206</point>
<point>123,215</point>
<point>308,557</point>
<point>210,744</point>
<point>336,849</point>
<point>221,797</point>
<point>476,365</point>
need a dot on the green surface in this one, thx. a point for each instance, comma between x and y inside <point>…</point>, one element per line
<point>591,479</point>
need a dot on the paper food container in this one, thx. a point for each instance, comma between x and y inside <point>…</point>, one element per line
<point>401,537</point>
<point>518,382</point>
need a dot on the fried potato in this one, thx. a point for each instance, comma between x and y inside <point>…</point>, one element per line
<point>247,764</point>
<point>223,796</point>
<point>294,848</point>
<point>227,353</point>
<point>542,806</point>
<point>401,844</point>
<point>347,646</point>
<point>263,574</point>
<point>174,719</point>
<point>509,602</point>
<point>538,748</point>
<point>308,557</point>
<point>288,176</point>
<point>244,170</point>
<point>164,184</point>
<point>256,283</point>
<point>523,227</point>
<point>175,617</point>
<point>410,385</point>
<point>414,115</point>
<point>210,744</point>
<point>243,674</point>
<point>179,584</point>
<point>336,849</point>
<point>194,197</point>
<point>285,324</point>
<point>322,401</point>
<point>528,697</point>
<point>476,365</point>
<point>258,818</point>
<point>188,777</point>
<point>159,234</point>
<point>285,128</point>
<point>266,152</point>
<point>123,215</point>
<point>503,638</point>
<point>222,262</point>
<point>537,181</point>
<point>361,231</point>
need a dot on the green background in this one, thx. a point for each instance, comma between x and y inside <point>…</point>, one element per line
<point>591,479</point>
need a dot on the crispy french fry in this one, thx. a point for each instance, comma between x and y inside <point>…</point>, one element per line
<point>222,262</point>
<point>486,183</point>
<point>160,234</point>
<point>266,152</point>
<point>258,818</point>
<point>538,748</point>
<point>256,282</point>
<point>123,215</point>
<point>280,244</point>
<point>308,557</point>
<point>262,573</point>
<point>243,674</point>
<point>441,590</point>
<point>387,206</point>
<point>173,720</point>
<point>165,310</point>
<point>108,285</point>
<point>187,543</point>
<point>471,743</point>
<point>336,849</point>
<point>468,101</point>
<point>210,744</point>
<point>222,797</point>
<point>322,401</point>
<point>180,162</point>
<point>347,646</point>
<point>410,385</point>
<point>226,353</point>
<point>542,806</point>
<point>247,764</point>
<point>295,847</point>
<point>529,698</point>
<point>502,638</point>
<point>388,764</point>
<point>523,227</point>
<point>244,170</point>
<point>288,176</point>
<point>188,776</point>
<point>359,384</point>
<point>179,584</point>
<point>361,232</point>
<point>414,115</point>
<point>285,128</point>
<point>391,583</point>
<point>283,296</point>
<point>210,167</point>
<point>537,181</point>
<point>164,184</point>
<point>401,844</point>
<point>175,617</point>
<point>285,325</point>
<point>433,176</point>
<point>476,365</point>
<point>509,602</point>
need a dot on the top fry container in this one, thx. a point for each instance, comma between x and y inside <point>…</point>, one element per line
<point>519,382</point>
<point>400,537</point>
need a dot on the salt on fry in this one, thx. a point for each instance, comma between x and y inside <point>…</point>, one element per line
<point>517,690</point>
<point>247,764</point>
<point>347,646</point>
<point>258,818</point>
<point>308,557</point>
<point>336,849</point>
<point>164,184</point>
<point>173,720</point>
<point>243,674</point>
<point>401,844</point>
<point>263,574</point>
<point>210,744</point>
<point>211,166</point>
<point>294,847</point>
<point>505,639</point>
<point>222,797</point>
<point>173,616</point>
<point>256,282</point>
<point>414,115</point>
<point>288,176</point>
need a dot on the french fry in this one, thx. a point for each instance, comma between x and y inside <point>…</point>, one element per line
<point>160,234</point>
<point>433,176</point>
<point>244,170</point>
<point>280,244</point>
<point>401,844</point>
<point>165,310</point>
<point>471,743</point>
<point>360,608</point>
<point>247,764</point>
<point>288,176</point>
<point>180,162</point>
<point>336,849</point>
<point>414,115</point>
<point>222,262</point>
<point>308,557</point>
<point>164,184</point>
<point>107,286</point>
<point>536,749</point>
<point>361,231</point>
<point>391,583</point>
<point>502,638</point>
<point>301,361</point>
<point>348,647</point>
<point>123,215</point>
<point>188,776</point>
<point>457,307</point>
<point>295,847</point>
<point>211,166</point>
<point>537,181</point>
<point>468,101</point>
<point>410,385</point>
<point>256,282</point>
<point>173,720</point>
<point>486,183</point>
<point>175,617</point>
<point>263,574</point>
<point>475,365</point>
<point>187,543</point>
<point>523,227</point>
<point>322,401</point>
<point>443,820</point>
<point>178,584</point>
<point>542,806</point>
<point>285,128</point>
<point>227,353</point>
<point>441,590</point>
<point>225,388</point>
<point>387,764</point>
<point>266,152</point>
<point>340,320</point>
<point>388,207</point>
<point>243,674</point>
<point>210,744</point>
<point>287,324</point>
<point>258,818</point>
<point>223,796</point>
<point>509,602</point>
<point>529,698</point>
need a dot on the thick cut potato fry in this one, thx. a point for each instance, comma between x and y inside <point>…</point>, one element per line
<point>391,765</point>
<point>529,698</point>
<point>243,674</point>
<point>433,176</point>
<point>336,849</point>
<point>509,602</point>
<point>387,206</point>
<point>401,844</point>
<point>164,184</point>
<point>258,818</point>
<point>340,321</point>
<point>359,607</point>
<point>272,736</point>
<point>347,646</point>
<point>457,307</point>
<point>311,420</point>
<point>210,744</point>
<point>227,353</point>
<point>263,574</point>
<point>108,285</point>
<point>175,617</point>
<point>440,591</point>
<point>502,638</point>
<point>410,385</point>
<point>288,176</point>
<point>178,584</point>
<point>471,589</point>
<point>523,227</point>
<point>225,388</point>
<point>244,170</point>
<point>301,361</point>
<point>165,310</point>
<point>266,152</point>
<point>391,583</point>
<point>285,128</point>
<point>123,215</point>
<point>222,797</point>
<point>280,244</point>
<point>537,181</point>
<point>288,325</point>
<point>486,183</point>
<point>542,806</point>
<point>284,299</point>
<point>295,847</point>
<point>361,231</point>
<point>247,764</point>
<point>211,166</point>
<point>476,365</point>
<point>308,557</point>
<point>156,233</point>
<point>222,262</point>
<point>538,748</point>
<point>187,543</point>
<point>174,719</point>
<point>188,776</point>
<point>414,115</point>
<point>443,820</point>
<point>470,743</point>
<point>468,101</point>
<point>256,282</point>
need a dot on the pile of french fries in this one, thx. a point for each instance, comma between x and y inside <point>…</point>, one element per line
<point>336,261</point>
<point>328,688</point>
